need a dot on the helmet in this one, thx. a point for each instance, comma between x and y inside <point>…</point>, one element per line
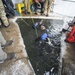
<point>44,36</point>
<point>43,27</point>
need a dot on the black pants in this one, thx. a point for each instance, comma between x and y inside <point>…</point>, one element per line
<point>42,6</point>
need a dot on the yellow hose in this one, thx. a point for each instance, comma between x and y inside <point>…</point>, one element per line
<point>35,28</point>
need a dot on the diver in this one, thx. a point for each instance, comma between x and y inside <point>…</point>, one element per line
<point>41,27</point>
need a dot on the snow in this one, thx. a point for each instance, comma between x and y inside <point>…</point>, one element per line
<point>64,7</point>
<point>63,45</point>
<point>17,68</point>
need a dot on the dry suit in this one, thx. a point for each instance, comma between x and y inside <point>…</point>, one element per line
<point>44,37</point>
<point>71,35</point>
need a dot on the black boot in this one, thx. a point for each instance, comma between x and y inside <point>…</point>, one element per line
<point>7,26</point>
<point>10,56</point>
<point>8,43</point>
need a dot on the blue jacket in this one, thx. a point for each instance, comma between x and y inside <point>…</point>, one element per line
<point>45,35</point>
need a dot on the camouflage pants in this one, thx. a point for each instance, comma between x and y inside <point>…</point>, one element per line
<point>27,5</point>
<point>3,15</point>
<point>47,5</point>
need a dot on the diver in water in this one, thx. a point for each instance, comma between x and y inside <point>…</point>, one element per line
<point>43,44</point>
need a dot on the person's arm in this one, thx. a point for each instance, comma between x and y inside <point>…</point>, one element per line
<point>4,2</point>
<point>72,31</point>
<point>73,19</point>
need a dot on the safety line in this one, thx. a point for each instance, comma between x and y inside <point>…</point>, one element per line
<point>33,24</point>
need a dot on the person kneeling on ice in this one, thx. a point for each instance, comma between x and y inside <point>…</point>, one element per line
<point>71,35</point>
<point>44,38</point>
<point>38,24</point>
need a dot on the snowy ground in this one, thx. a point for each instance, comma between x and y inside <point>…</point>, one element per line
<point>65,7</point>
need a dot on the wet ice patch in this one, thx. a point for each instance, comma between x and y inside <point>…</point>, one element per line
<point>63,45</point>
<point>55,27</point>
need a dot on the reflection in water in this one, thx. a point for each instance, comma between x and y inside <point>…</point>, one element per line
<point>43,57</point>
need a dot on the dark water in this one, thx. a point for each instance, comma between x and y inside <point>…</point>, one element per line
<point>44,58</point>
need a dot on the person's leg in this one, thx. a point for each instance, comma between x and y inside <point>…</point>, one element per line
<point>49,6</point>
<point>45,7</point>
<point>3,42</point>
<point>3,15</point>
<point>0,24</point>
<point>4,18</point>
<point>35,4</point>
<point>2,39</point>
<point>28,6</point>
<point>25,5</point>
<point>42,6</point>
<point>3,55</point>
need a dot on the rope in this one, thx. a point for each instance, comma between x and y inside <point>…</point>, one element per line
<point>25,22</point>
<point>29,25</point>
<point>35,28</point>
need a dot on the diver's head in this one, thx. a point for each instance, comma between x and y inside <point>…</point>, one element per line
<point>43,28</point>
